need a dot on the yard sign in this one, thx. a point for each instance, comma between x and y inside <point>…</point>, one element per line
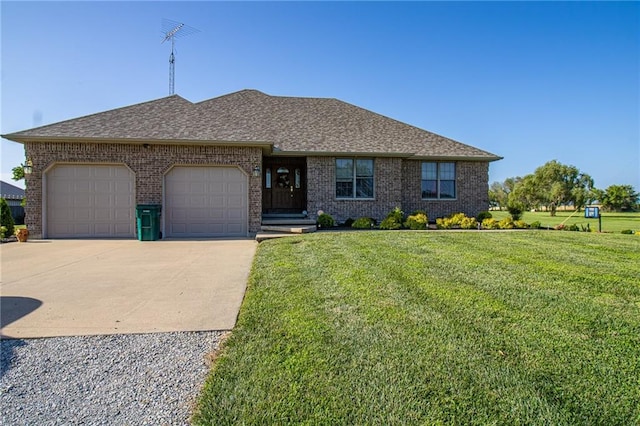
<point>593,213</point>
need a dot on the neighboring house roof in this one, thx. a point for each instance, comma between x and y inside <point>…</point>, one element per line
<point>10,192</point>
<point>292,125</point>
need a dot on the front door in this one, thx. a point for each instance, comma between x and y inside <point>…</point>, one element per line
<point>284,188</point>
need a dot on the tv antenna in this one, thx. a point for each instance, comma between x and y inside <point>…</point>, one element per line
<point>171,30</point>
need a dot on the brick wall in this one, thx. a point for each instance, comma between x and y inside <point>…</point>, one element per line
<point>397,181</point>
<point>148,164</point>
<point>472,181</point>
<point>397,184</point>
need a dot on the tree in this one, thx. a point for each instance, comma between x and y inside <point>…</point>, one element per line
<point>18,173</point>
<point>552,185</point>
<point>497,195</point>
<point>583,192</point>
<point>524,194</point>
<point>619,198</point>
<point>499,192</point>
<point>6,219</point>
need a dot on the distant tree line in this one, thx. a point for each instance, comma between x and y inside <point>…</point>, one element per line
<point>555,184</point>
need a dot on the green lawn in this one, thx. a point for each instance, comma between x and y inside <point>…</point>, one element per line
<point>611,221</point>
<point>402,327</point>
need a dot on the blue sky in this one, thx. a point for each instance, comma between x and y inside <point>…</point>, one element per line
<point>531,82</point>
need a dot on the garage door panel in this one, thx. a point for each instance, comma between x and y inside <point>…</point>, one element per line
<point>217,214</point>
<point>180,215</point>
<point>204,194</point>
<point>102,173</point>
<point>178,199</point>
<point>90,200</point>
<point>218,201</point>
<point>101,216</point>
<point>82,215</point>
<point>234,188</point>
<point>82,199</point>
<point>217,188</point>
<point>78,173</point>
<point>121,216</point>
<point>120,228</point>
<point>123,201</point>
<point>234,228</point>
<point>179,228</point>
<point>83,186</point>
<point>198,201</point>
<point>103,187</point>
<point>80,228</point>
<point>196,215</point>
<point>198,188</point>
<point>104,200</point>
<point>102,229</point>
<point>235,202</point>
<point>235,213</point>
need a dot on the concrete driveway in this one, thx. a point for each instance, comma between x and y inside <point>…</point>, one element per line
<point>89,287</point>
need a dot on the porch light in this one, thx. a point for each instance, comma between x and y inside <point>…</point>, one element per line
<point>256,171</point>
<point>28,167</point>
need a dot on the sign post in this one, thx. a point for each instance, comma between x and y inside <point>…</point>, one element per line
<point>593,213</point>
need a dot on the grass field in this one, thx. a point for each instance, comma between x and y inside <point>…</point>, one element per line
<point>611,221</point>
<point>402,327</point>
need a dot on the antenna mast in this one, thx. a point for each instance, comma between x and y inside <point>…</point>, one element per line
<point>171,30</point>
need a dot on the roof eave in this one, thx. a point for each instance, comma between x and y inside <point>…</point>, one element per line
<point>486,158</point>
<point>268,148</point>
<point>135,141</point>
<point>277,152</point>
<point>411,156</point>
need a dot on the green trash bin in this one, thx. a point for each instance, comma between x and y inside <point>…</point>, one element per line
<point>148,219</point>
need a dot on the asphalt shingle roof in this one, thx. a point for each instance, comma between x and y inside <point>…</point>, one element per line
<point>291,124</point>
<point>10,192</point>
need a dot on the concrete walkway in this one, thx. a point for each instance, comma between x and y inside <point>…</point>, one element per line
<point>89,287</point>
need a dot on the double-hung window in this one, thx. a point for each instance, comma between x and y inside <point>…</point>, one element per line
<point>354,178</point>
<point>438,180</point>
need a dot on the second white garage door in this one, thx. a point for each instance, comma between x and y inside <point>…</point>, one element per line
<point>206,202</point>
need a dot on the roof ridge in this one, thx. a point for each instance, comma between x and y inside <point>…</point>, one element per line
<point>306,97</point>
<point>236,93</point>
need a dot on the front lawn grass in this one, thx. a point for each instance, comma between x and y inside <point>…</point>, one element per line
<point>402,327</point>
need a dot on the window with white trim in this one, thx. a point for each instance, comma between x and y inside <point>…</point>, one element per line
<point>438,181</point>
<point>354,178</point>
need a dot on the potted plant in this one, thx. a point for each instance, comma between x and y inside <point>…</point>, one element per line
<point>22,234</point>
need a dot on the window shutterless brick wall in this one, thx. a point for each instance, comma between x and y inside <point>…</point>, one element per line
<point>397,184</point>
<point>321,190</point>
<point>148,164</point>
<point>472,187</point>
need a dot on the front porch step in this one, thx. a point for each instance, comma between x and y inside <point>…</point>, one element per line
<point>284,225</point>
<point>287,221</point>
<point>289,228</point>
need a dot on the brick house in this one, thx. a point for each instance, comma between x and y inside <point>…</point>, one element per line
<point>218,166</point>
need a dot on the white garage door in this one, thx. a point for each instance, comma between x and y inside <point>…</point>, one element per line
<point>90,200</point>
<point>206,202</point>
